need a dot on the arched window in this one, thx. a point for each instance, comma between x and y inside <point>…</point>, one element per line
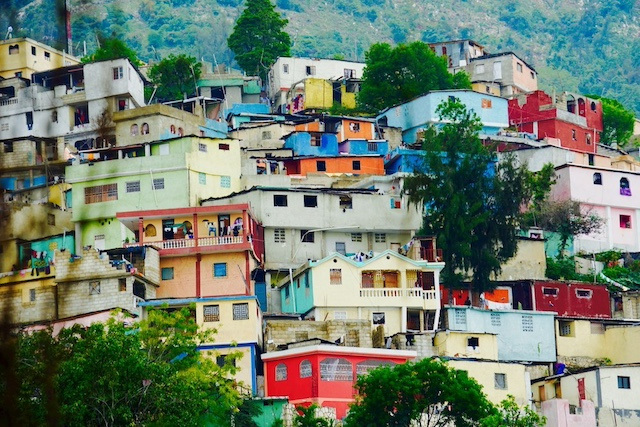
<point>180,132</point>
<point>145,129</point>
<point>588,139</point>
<point>172,129</point>
<point>625,189</point>
<point>150,230</point>
<point>334,369</point>
<point>597,178</point>
<point>593,106</point>
<point>365,366</point>
<point>134,129</point>
<point>281,372</point>
<point>305,369</point>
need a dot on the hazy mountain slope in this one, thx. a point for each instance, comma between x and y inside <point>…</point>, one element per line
<point>589,46</point>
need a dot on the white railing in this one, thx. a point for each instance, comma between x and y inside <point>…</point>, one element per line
<point>9,102</point>
<point>430,294</point>
<point>221,240</point>
<point>178,244</point>
<point>398,292</point>
<point>191,243</point>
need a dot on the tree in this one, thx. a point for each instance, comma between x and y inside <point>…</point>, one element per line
<point>258,38</point>
<point>395,75</point>
<point>113,48</point>
<point>510,414</point>
<point>306,417</point>
<point>113,374</point>
<point>568,219</point>
<point>175,77</point>
<point>617,122</point>
<point>427,393</point>
<point>472,204</point>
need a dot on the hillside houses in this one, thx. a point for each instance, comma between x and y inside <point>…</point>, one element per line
<point>288,230</point>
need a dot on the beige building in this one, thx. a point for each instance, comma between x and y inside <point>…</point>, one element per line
<point>506,69</point>
<point>22,56</point>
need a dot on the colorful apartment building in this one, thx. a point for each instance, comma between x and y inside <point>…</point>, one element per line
<point>504,73</point>
<point>575,120</point>
<point>388,289</point>
<point>324,374</point>
<point>22,57</point>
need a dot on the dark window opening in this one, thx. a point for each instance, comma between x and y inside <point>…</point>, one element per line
<point>473,342</point>
<point>310,201</point>
<point>597,178</point>
<point>321,165</point>
<point>356,165</point>
<point>279,200</point>
<point>307,236</point>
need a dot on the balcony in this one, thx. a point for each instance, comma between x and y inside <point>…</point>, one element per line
<point>202,242</point>
<point>431,255</point>
<point>412,296</point>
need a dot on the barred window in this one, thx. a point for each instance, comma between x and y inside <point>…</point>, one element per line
<point>365,366</point>
<point>241,311</point>
<point>158,184</point>
<point>202,178</point>
<point>279,235</point>
<point>225,181</point>
<point>211,313</point>
<point>305,369</point>
<point>527,323</point>
<point>495,319</point>
<point>101,193</point>
<point>133,186</point>
<point>281,372</point>
<point>336,369</point>
<point>356,237</point>
<point>380,237</point>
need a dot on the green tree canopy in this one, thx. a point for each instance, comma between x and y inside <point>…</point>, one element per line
<point>258,38</point>
<point>175,77</point>
<point>395,75</point>
<point>510,414</point>
<point>113,48</point>
<point>113,374</point>
<point>617,122</point>
<point>428,392</point>
<point>472,203</point>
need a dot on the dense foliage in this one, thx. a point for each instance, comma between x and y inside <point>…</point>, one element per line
<point>175,77</point>
<point>113,374</point>
<point>258,38</point>
<point>510,414</point>
<point>617,122</point>
<point>472,204</point>
<point>113,48</point>
<point>428,393</point>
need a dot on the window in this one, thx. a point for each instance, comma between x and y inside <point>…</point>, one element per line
<point>305,369</point>
<point>378,318</point>
<point>354,127</point>
<point>341,248</point>
<point>500,381</point>
<point>122,285</point>
<point>285,68</point>
<point>565,328</point>
<point>625,189</point>
<point>158,184</point>
<point>51,219</point>
<point>597,178</point>
<point>311,70</point>
<point>211,313</point>
<point>118,73</point>
<point>32,295</point>
<point>47,56</point>
<point>321,166</point>
<point>145,129</point>
<point>223,147</point>
<point>527,323</point>
<point>307,236</point>
<point>625,221</point>
<point>279,200</point>
<point>220,269</point>
<point>279,235</point>
<point>225,181</point>
<point>583,293</point>
<point>33,50</point>
<point>533,75</point>
<point>310,201</point>
<point>334,369</point>
<point>14,49</point>
<point>486,103</point>
<point>134,129</point>
<point>202,147</point>
<point>356,165</point>
<point>495,319</point>
<point>223,359</point>
<point>202,178</point>
<point>241,311</point>
<point>573,135</point>
<point>349,73</point>
<point>473,342</point>
<point>133,186</point>
<point>281,372</point>
<point>346,202</point>
<point>335,276</point>
<point>100,193</point>
<point>150,230</point>
<point>339,315</point>
<point>519,67</point>
<point>550,291</point>
<point>479,68</point>
<point>266,134</point>
<point>122,104</point>
<point>588,139</point>
<point>624,382</point>
<point>356,237</point>
<point>380,237</point>
<point>8,146</point>
<point>94,287</point>
<point>167,273</point>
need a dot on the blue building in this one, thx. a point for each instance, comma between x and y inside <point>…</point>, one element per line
<point>416,115</point>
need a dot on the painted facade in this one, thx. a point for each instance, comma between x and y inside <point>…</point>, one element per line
<point>466,345</point>
<point>574,119</point>
<point>165,174</point>
<point>22,56</point>
<point>389,289</point>
<point>513,75</point>
<point>522,335</point>
<point>414,116</point>
<point>457,53</point>
<point>324,374</point>
<point>314,94</point>
<point>355,165</point>
<point>335,220</point>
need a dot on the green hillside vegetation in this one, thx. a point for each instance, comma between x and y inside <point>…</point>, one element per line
<point>588,46</point>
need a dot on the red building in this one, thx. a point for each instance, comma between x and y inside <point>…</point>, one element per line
<point>573,119</point>
<point>567,299</point>
<point>324,374</point>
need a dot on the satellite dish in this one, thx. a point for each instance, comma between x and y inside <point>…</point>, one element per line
<point>9,32</point>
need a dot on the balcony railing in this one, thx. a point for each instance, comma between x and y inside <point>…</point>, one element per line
<point>398,292</point>
<point>431,255</point>
<point>191,243</point>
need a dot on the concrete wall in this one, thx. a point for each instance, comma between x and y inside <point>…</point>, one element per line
<point>456,344</point>
<point>559,414</point>
<point>357,332</point>
<point>529,262</point>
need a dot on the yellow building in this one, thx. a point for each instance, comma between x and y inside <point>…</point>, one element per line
<point>466,344</point>
<point>322,94</point>
<point>21,57</point>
